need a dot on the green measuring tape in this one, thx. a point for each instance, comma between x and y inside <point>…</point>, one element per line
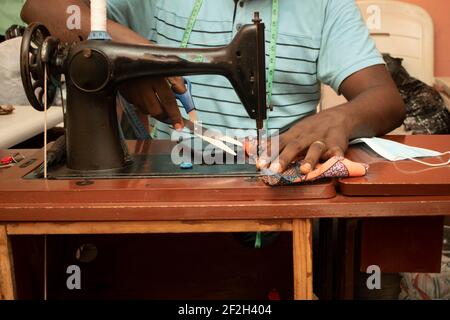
<point>272,58</point>
<point>191,23</point>
<point>272,46</point>
<point>272,50</point>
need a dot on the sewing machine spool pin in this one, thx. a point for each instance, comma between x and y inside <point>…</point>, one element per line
<point>94,70</point>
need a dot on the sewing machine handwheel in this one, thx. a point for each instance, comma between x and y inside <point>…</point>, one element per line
<point>32,67</point>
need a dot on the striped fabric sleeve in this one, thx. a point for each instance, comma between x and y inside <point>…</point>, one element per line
<point>346,44</point>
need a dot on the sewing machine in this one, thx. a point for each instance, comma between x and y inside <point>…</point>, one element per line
<point>94,69</point>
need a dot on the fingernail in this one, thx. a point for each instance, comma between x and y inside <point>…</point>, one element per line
<point>178,126</point>
<point>306,168</point>
<point>275,167</point>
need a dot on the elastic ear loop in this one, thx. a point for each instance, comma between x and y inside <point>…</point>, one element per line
<point>432,164</point>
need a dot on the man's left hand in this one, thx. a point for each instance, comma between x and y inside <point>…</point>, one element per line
<point>318,137</point>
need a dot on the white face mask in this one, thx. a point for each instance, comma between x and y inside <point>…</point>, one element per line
<point>394,151</point>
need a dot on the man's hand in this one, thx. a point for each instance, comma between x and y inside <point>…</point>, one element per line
<point>317,137</point>
<point>374,108</point>
<point>153,96</point>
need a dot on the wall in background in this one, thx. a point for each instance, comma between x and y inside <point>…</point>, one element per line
<point>440,13</point>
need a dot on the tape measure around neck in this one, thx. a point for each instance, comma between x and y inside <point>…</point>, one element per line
<point>191,23</point>
<point>272,50</point>
<point>272,46</point>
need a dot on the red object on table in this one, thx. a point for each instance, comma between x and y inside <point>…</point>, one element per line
<point>6,160</point>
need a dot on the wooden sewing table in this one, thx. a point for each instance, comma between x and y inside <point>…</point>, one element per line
<point>234,204</point>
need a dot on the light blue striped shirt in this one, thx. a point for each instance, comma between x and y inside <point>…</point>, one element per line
<point>319,41</point>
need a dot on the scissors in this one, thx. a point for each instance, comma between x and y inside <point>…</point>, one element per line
<point>212,136</point>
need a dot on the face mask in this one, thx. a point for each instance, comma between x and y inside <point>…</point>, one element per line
<point>394,151</point>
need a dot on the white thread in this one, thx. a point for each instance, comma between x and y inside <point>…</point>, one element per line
<point>432,164</point>
<point>45,121</point>
<point>45,267</point>
<point>98,15</point>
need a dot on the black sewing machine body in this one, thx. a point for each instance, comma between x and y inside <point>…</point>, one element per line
<point>94,69</point>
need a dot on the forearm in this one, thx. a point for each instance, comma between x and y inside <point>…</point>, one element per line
<point>374,112</point>
<point>53,14</point>
<point>375,106</point>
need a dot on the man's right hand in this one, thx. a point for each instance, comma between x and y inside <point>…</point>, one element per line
<point>153,96</point>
